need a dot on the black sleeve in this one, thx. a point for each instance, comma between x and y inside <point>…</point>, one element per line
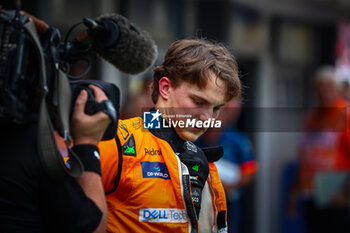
<point>66,208</point>
<point>29,200</point>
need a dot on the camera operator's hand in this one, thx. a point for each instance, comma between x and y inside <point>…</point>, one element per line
<point>88,129</point>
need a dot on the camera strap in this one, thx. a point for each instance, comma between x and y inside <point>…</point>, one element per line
<point>48,150</point>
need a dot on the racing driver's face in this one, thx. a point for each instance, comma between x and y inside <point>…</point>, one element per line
<point>188,101</point>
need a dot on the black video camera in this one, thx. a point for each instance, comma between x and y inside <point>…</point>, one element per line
<point>21,84</point>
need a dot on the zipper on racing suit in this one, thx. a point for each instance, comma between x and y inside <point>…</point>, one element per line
<point>188,198</point>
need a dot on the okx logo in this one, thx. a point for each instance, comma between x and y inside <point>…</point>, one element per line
<point>151,120</point>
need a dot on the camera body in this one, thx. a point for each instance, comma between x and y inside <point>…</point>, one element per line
<point>19,71</point>
<point>20,89</point>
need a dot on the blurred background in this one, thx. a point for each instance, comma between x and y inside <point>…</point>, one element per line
<point>278,45</point>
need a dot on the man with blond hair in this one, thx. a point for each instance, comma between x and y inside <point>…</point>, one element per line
<point>155,178</point>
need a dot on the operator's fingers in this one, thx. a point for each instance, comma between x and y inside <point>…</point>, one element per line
<point>80,102</point>
<point>99,94</point>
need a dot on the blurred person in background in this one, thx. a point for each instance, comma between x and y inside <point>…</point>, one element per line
<point>324,150</point>
<point>346,90</point>
<point>238,167</point>
<point>343,78</point>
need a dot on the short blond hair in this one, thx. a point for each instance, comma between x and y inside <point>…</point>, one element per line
<point>192,61</point>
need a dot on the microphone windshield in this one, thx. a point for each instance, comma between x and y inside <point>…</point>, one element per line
<point>135,50</point>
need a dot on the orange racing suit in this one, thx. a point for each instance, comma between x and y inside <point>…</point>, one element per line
<point>148,188</point>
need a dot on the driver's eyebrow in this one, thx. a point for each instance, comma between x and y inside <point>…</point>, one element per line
<point>205,101</point>
<point>197,97</point>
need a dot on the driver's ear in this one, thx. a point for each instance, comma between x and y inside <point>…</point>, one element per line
<point>164,87</point>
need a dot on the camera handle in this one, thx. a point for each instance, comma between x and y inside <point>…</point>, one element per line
<point>49,153</point>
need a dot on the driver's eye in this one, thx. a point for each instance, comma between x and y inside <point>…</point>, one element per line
<point>198,102</point>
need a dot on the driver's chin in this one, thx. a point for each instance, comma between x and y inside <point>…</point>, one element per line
<point>188,135</point>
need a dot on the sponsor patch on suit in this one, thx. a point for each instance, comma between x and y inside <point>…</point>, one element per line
<point>154,170</point>
<point>162,215</point>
